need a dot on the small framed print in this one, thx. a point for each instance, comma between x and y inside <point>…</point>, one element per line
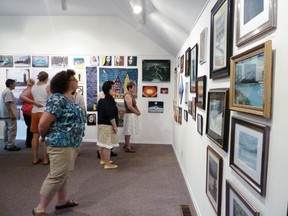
<point>164,90</point>
<point>6,61</point>
<point>80,90</point>
<point>91,119</point>
<point>149,91</point>
<point>193,68</point>
<point>236,204</point>
<point>249,152</point>
<point>190,107</point>
<point>214,172</point>
<point>22,61</point>
<point>40,61</point>
<point>186,115</point>
<point>221,37</point>
<point>182,64</point>
<point>200,124</point>
<point>251,81</point>
<point>218,114</point>
<point>187,61</point>
<point>194,108</point>
<point>254,19</point>
<point>203,46</point>
<point>201,92</point>
<point>180,116</point>
<point>155,107</point>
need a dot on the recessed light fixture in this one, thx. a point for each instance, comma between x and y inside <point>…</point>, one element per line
<point>137,6</point>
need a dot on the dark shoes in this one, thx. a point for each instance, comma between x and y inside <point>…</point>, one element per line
<point>130,150</point>
<point>13,148</point>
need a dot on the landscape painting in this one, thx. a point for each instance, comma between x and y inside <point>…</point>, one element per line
<point>156,71</point>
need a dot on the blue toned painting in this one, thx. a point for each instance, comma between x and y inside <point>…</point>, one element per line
<point>248,147</point>
<point>120,76</point>
<point>91,80</point>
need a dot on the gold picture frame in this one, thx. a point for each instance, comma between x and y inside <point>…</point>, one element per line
<point>251,80</point>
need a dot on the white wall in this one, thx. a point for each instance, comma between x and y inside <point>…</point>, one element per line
<point>82,37</point>
<point>190,146</point>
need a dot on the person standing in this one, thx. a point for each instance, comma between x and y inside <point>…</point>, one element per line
<point>40,92</point>
<point>8,111</point>
<point>27,106</point>
<point>62,127</point>
<point>107,125</point>
<point>131,124</point>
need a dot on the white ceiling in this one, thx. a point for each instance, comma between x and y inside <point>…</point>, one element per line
<point>167,22</point>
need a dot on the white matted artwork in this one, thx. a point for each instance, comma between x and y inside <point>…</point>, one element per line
<point>20,75</point>
<point>59,61</point>
<point>203,45</point>
<point>40,61</point>
<point>22,61</point>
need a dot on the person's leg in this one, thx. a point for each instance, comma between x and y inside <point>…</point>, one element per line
<point>35,147</point>
<point>29,134</point>
<point>5,134</point>
<point>106,158</point>
<point>127,141</point>
<point>12,131</point>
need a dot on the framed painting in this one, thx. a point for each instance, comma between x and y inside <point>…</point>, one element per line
<point>214,172</point>
<point>182,64</point>
<point>194,108</point>
<point>180,89</point>
<point>20,75</point>
<point>131,61</point>
<point>249,152</point>
<point>59,61</point>
<point>200,124</point>
<point>180,116</point>
<point>190,107</point>
<point>236,204</point>
<point>91,119</point>
<point>187,61</point>
<point>22,61</point>
<point>164,90</point>
<point>149,91</point>
<point>218,114</point>
<point>203,46</point>
<point>201,92</point>
<point>186,115</point>
<point>79,90</point>
<point>251,82</point>
<point>254,19</point>
<point>193,68</point>
<point>156,71</point>
<point>155,106</point>
<point>186,92</point>
<point>6,61</point>
<point>40,61</point>
<point>221,38</point>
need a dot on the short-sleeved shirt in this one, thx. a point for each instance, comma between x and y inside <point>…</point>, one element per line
<point>107,110</point>
<point>7,97</point>
<point>68,128</point>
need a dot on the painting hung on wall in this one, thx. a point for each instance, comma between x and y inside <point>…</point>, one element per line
<point>79,63</point>
<point>92,90</point>
<point>186,115</point>
<point>121,113</point>
<point>214,172</point>
<point>200,124</point>
<point>190,107</point>
<point>182,64</point>
<point>106,60</point>
<point>118,61</point>
<point>6,61</point>
<point>94,61</point>
<point>156,71</point>
<point>79,90</point>
<point>21,61</point>
<point>180,116</point>
<point>149,91</point>
<point>187,62</point>
<point>236,204</point>
<point>249,152</point>
<point>221,38</point>
<point>155,106</point>
<point>20,75</point>
<point>40,61</point>
<point>254,19</point>
<point>186,92</point>
<point>120,77</point>
<point>59,61</point>
<point>193,68</point>
<point>203,46</point>
<point>131,61</point>
<point>181,89</point>
<point>164,90</point>
<point>91,119</point>
<point>201,92</point>
<point>194,108</point>
<point>251,80</point>
<point>218,115</point>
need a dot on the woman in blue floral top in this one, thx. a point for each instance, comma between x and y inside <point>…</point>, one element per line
<point>62,127</point>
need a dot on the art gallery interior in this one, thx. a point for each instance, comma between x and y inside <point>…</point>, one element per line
<point>165,31</point>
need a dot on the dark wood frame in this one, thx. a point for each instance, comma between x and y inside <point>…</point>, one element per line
<point>193,67</point>
<point>260,187</point>
<point>217,206</point>
<point>201,99</point>
<point>186,115</point>
<point>223,95</point>
<point>230,188</point>
<point>187,61</point>
<point>182,63</point>
<point>193,108</point>
<point>200,124</point>
<point>222,71</point>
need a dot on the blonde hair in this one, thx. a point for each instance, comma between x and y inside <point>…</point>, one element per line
<point>30,82</point>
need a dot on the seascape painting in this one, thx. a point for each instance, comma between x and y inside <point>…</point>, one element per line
<point>40,61</point>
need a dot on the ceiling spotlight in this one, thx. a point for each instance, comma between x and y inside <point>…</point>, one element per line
<point>137,6</point>
<point>64,5</point>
